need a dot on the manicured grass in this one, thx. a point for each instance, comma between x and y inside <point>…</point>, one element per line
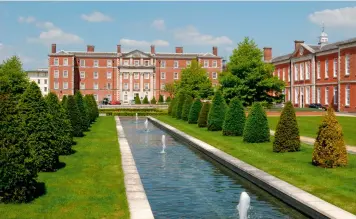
<point>91,184</point>
<point>309,125</point>
<point>336,186</point>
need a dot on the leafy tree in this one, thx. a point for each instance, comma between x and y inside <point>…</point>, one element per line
<point>169,99</point>
<point>203,115</point>
<point>180,102</point>
<point>170,107</point>
<point>64,100</point>
<point>137,100</point>
<point>256,127</point>
<point>234,119</point>
<point>329,147</point>
<point>186,107</point>
<point>145,100</point>
<point>170,88</point>
<point>153,100</point>
<point>194,111</point>
<point>61,123</point>
<point>195,81</point>
<point>82,111</point>
<point>94,107</point>
<point>160,100</point>
<point>249,77</point>
<point>40,131</point>
<point>217,113</point>
<point>74,116</point>
<point>286,138</point>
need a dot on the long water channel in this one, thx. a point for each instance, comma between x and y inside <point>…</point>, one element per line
<point>184,183</point>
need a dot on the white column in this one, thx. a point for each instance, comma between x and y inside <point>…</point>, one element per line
<point>292,93</point>
<point>131,61</point>
<point>151,84</point>
<point>141,82</point>
<point>141,61</point>
<point>313,80</point>
<point>120,86</point>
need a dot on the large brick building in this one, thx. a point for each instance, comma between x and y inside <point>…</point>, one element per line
<point>120,76</point>
<point>323,73</point>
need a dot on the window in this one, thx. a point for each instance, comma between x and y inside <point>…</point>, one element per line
<point>45,81</point>
<point>215,64</point>
<point>96,86</point>
<point>347,95</point>
<point>96,63</point>
<point>175,75</point>
<point>65,74</point>
<point>279,73</point>
<point>176,64</point>
<point>318,70</point>
<point>326,69</point>
<point>301,71</point>
<point>126,75</point>
<point>335,68</point>
<point>96,97</point>
<point>296,72</point>
<point>296,96</point>
<point>136,62</point>
<point>108,75</point>
<point>327,96</point>
<point>96,75</point>
<point>163,75</point>
<point>82,63</point>
<point>147,63</point>
<point>56,85</point>
<point>162,86</point>
<point>206,63</point>
<point>347,64</point>
<point>56,74</point>
<point>126,86</point>
<point>284,74</point>
<point>65,85</point>
<point>147,86</point>
<point>318,95</point>
<point>163,64</point>
<point>307,71</point>
<point>125,97</point>
<point>56,61</point>
<point>147,75</point>
<point>109,97</point>
<point>108,86</point>
<point>136,75</point>
<point>288,74</point>
<point>188,63</point>
<point>65,62</point>
<point>335,95</point>
<point>45,89</point>
<point>109,63</point>
<point>215,75</point>
<point>136,86</point>
<point>82,86</point>
<point>82,74</point>
<point>307,92</point>
<point>126,62</point>
<point>38,81</point>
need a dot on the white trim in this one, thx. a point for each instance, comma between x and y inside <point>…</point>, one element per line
<point>302,85</point>
<point>338,81</point>
<point>347,46</point>
<point>281,62</point>
<point>326,52</point>
<point>303,58</point>
<point>326,83</point>
<point>347,88</point>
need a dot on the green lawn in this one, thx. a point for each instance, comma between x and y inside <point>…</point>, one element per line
<point>336,186</point>
<point>308,126</point>
<point>91,184</point>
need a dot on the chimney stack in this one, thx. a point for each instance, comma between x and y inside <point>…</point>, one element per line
<point>118,48</point>
<point>297,43</point>
<point>179,49</point>
<point>54,48</point>
<point>90,48</point>
<point>215,50</point>
<point>153,50</point>
<point>267,54</point>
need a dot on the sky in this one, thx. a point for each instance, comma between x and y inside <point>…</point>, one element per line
<point>29,28</point>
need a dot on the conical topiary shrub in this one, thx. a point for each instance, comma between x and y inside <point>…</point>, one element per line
<point>74,116</point>
<point>186,107</point>
<point>286,138</point>
<point>180,102</point>
<point>194,111</point>
<point>203,115</point>
<point>329,147</point>
<point>256,128</point>
<point>153,100</point>
<point>169,99</point>
<point>217,113</point>
<point>160,99</point>
<point>137,100</point>
<point>82,110</point>
<point>64,100</point>
<point>170,107</point>
<point>235,118</point>
<point>145,100</point>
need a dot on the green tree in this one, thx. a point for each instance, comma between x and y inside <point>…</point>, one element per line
<point>170,107</point>
<point>64,100</point>
<point>61,123</point>
<point>153,100</point>
<point>234,119</point>
<point>180,102</point>
<point>82,110</point>
<point>95,104</point>
<point>256,128</point>
<point>194,111</point>
<point>170,88</point>
<point>94,107</point>
<point>89,104</point>
<point>137,100</point>
<point>174,104</point>
<point>195,81</point>
<point>203,115</point>
<point>186,107</point>
<point>40,131</point>
<point>249,77</point>
<point>145,100</point>
<point>74,116</point>
<point>286,138</point>
<point>217,113</point>
<point>160,99</point>
<point>329,147</point>
<point>169,99</point>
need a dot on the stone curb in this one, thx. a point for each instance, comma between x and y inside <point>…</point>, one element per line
<point>295,197</point>
<point>136,197</point>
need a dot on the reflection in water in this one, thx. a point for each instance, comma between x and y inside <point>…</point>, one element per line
<point>184,183</point>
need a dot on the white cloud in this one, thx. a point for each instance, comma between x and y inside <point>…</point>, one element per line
<point>140,44</point>
<point>28,20</point>
<point>96,17</point>
<point>191,35</point>
<point>158,24</point>
<point>7,51</point>
<point>342,17</point>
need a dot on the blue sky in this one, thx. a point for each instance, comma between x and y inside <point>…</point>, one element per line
<point>28,28</point>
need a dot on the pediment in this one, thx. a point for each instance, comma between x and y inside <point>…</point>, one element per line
<point>62,52</point>
<point>303,50</point>
<point>137,54</point>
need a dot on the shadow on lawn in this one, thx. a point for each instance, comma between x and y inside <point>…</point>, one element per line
<point>40,190</point>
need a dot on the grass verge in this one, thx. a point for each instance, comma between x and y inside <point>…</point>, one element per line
<point>91,184</point>
<point>336,186</point>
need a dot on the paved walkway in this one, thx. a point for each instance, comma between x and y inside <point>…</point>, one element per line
<point>310,141</point>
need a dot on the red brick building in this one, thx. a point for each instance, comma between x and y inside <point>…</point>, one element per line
<point>119,75</point>
<point>323,73</point>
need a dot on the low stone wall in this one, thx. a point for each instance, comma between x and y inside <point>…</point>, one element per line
<point>305,202</point>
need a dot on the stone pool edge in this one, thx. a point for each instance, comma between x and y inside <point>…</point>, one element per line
<point>299,199</point>
<point>136,196</point>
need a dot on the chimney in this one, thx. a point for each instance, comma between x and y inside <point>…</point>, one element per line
<point>54,48</point>
<point>267,54</point>
<point>90,48</point>
<point>179,49</point>
<point>118,48</point>
<point>215,50</point>
<point>297,43</point>
<point>153,50</point>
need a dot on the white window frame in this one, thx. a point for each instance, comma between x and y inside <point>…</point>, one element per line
<point>296,75</point>
<point>288,74</point>
<point>136,75</point>
<point>95,75</point>
<point>96,97</point>
<point>108,75</point>
<point>38,81</point>
<point>109,63</point>
<point>215,75</point>
<point>45,81</point>
<point>163,63</point>
<point>162,86</point>
<point>347,64</point>
<point>307,71</point>
<point>318,70</point>
<point>96,63</point>
<point>56,85</point>
<point>147,86</point>
<point>82,85</point>
<point>126,62</point>
<point>301,75</point>
<point>335,68</point>
<point>56,62</point>
<point>45,89</point>
<point>188,63</point>
<point>96,86</point>
<point>126,86</point>
<point>109,97</point>
<point>82,74</point>
<point>147,62</point>
<point>284,74</point>
<point>326,68</point>
<point>296,95</point>
<point>82,63</point>
<point>347,95</point>
<point>335,95</point>
<point>56,74</point>
<point>65,85</point>
<point>326,99</point>
<point>65,73</point>
<point>163,75</point>
<point>215,64</point>
<point>307,95</point>
<point>136,62</point>
<point>206,63</point>
<point>176,64</point>
<point>279,73</point>
<point>175,75</point>
<point>126,75</point>
<point>65,62</point>
<point>108,86</point>
<point>136,86</point>
<point>318,95</point>
<point>147,75</point>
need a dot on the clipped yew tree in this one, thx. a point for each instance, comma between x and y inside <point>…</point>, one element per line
<point>74,116</point>
<point>137,100</point>
<point>329,147</point>
<point>160,99</point>
<point>169,99</point>
<point>217,111</point>
<point>203,115</point>
<point>180,102</point>
<point>145,100</point>
<point>286,137</point>
<point>170,107</point>
<point>64,100</point>
<point>62,124</point>
<point>82,110</point>
<point>174,104</point>
<point>89,104</point>
<point>186,107</point>
<point>95,105</point>
<point>256,128</point>
<point>39,128</point>
<point>194,111</point>
<point>153,100</point>
<point>235,118</point>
